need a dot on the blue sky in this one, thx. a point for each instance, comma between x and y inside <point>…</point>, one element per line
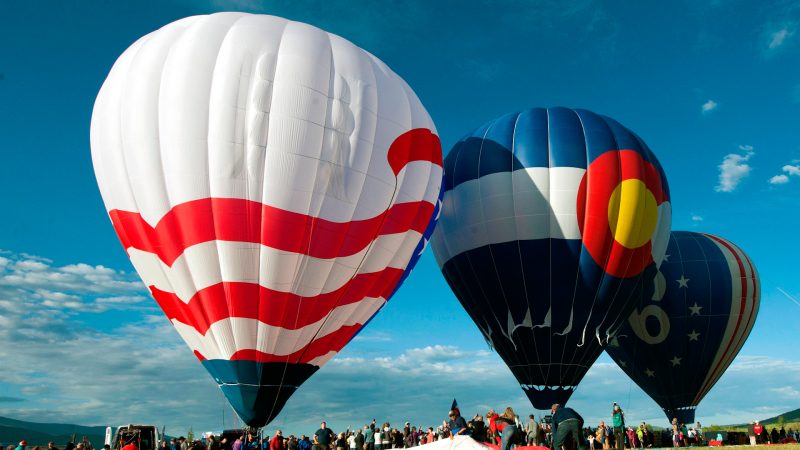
<point>712,87</point>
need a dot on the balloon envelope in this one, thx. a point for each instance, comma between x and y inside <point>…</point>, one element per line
<point>271,183</point>
<point>687,330</point>
<point>551,220</point>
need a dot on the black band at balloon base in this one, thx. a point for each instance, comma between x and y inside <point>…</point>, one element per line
<point>258,391</point>
<point>544,397</point>
<point>683,414</point>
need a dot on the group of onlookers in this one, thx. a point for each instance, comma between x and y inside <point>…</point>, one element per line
<point>758,435</point>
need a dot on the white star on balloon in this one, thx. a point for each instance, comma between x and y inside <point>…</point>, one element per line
<point>666,257</point>
<point>623,364</point>
<point>675,361</point>
<point>683,282</point>
<point>438,210</point>
<point>693,335</point>
<point>650,373</point>
<point>695,309</point>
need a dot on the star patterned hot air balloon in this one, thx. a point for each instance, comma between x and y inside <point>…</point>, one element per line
<point>698,313</point>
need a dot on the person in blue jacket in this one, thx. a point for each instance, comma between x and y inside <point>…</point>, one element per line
<point>566,422</point>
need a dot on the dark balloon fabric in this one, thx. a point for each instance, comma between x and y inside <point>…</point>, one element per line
<point>551,220</point>
<point>685,333</point>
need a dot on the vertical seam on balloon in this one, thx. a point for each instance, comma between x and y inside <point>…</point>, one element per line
<point>638,218</point>
<point>604,266</point>
<point>549,264</point>
<point>366,251</point>
<point>705,346</point>
<point>485,300</point>
<point>519,253</point>
<point>297,270</point>
<point>714,374</point>
<point>571,369</point>
<point>581,361</point>
<point>455,265</point>
<point>215,217</point>
<point>124,162</point>
<point>262,173</point>
<point>727,359</point>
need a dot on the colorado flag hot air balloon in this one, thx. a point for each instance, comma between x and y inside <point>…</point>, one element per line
<point>697,314</point>
<point>551,220</point>
<point>271,183</point>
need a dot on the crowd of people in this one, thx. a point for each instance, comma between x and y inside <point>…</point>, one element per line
<point>563,429</point>
<point>759,435</point>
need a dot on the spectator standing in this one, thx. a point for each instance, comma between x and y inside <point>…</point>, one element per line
<point>676,433</point>
<point>359,439</point>
<point>530,430</point>
<point>618,420</point>
<point>276,443</point>
<point>507,427</point>
<point>566,423</point>
<point>600,435</point>
<point>386,437</point>
<point>369,437</point>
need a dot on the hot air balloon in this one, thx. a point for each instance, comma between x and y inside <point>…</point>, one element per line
<point>551,220</point>
<point>684,334</point>
<point>272,183</point>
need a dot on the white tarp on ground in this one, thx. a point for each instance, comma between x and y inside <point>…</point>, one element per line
<point>457,443</point>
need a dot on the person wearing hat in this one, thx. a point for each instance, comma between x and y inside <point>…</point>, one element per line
<point>23,444</point>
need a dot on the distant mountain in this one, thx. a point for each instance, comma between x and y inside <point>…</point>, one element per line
<point>791,416</point>
<point>13,431</point>
<point>788,417</point>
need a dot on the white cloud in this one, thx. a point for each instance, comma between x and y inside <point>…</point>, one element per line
<point>67,369</point>
<point>733,169</point>
<point>789,170</point>
<point>708,106</point>
<point>697,218</point>
<point>779,179</point>
<point>792,170</point>
<point>778,38</point>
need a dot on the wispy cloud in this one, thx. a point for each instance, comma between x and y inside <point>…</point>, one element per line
<point>734,168</point>
<point>708,106</point>
<point>788,171</point>
<point>74,287</point>
<point>779,37</point>
<point>697,218</point>
<point>779,179</point>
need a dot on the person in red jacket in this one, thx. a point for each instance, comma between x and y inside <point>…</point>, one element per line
<point>491,416</point>
<point>277,441</point>
<point>131,445</point>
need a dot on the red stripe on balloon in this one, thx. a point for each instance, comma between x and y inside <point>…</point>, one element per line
<point>742,305</point>
<point>419,144</point>
<point>239,220</point>
<point>720,367</point>
<point>332,342</point>
<point>275,308</point>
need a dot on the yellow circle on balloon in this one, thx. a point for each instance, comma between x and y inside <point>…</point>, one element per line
<point>632,213</point>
